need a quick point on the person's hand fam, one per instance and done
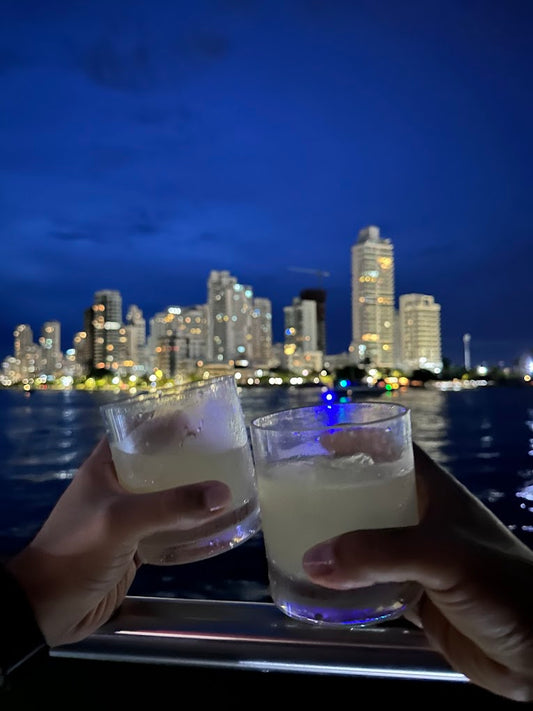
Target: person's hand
(80, 565)
(477, 605)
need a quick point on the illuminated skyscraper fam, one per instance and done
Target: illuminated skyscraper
(319, 297)
(22, 340)
(193, 326)
(373, 299)
(180, 331)
(230, 307)
(262, 331)
(420, 333)
(219, 292)
(109, 337)
(300, 326)
(26, 352)
(136, 334)
(50, 343)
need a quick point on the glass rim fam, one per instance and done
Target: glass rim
(278, 418)
(160, 394)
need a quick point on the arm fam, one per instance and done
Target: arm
(77, 570)
(476, 608)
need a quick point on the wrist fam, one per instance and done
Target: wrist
(22, 642)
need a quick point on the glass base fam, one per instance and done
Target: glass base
(179, 547)
(362, 607)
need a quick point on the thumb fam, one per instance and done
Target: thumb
(181, 508)
(362, 558)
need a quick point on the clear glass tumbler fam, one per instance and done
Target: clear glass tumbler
(326, 470)
(183, 435)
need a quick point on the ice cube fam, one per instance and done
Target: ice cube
(158, 433)
(360, 460)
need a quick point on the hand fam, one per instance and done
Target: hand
(80, 565)
(477, 605)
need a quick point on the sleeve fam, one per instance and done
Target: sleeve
(22, 643)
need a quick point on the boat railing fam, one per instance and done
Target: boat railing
(255, 636)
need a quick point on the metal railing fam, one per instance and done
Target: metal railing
(255, 636)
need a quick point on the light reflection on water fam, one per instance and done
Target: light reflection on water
(483, 437)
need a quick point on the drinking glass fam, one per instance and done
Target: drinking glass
(322, 471)
(183, 435)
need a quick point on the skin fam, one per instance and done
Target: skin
(477, 577)
(80, 565)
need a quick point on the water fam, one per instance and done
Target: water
(483, 436)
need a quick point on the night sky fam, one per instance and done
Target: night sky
(144, 143)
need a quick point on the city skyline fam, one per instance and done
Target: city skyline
(278, 322)
(144, 145)
(118, 314)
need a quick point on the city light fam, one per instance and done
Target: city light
(233, 331)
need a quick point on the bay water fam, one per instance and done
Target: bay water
(484, 436)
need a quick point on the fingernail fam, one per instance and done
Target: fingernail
(215, 496)
(319, 560)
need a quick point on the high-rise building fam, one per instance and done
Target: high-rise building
(170, 352)
(373, 299)
(420, 333)
(262, 331)
(300, 352)
(166, 347)
(50, 342)
(136, 335)
(193, 326)
(80, 355)
(319, 297)
(300, 326)
(178, 338)
(219, 292)
(230, 307)
(22, 340)
(26, 353)
(109, 338)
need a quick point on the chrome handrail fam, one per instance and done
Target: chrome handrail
(255, 636)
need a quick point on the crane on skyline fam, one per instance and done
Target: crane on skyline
(321, 274)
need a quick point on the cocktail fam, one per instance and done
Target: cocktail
(183, 435)
(322, 471)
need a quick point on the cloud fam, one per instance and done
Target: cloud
(137, 60)
(210, 45)
(126, 68)
(145, 224)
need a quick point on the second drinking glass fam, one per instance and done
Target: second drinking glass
(322, 471)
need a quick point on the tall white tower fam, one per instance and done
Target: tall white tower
(230, 307)
(262, 331)
(420, 335)
(373, 298)
(466, 347)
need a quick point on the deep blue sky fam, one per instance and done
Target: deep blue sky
(144, 143)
